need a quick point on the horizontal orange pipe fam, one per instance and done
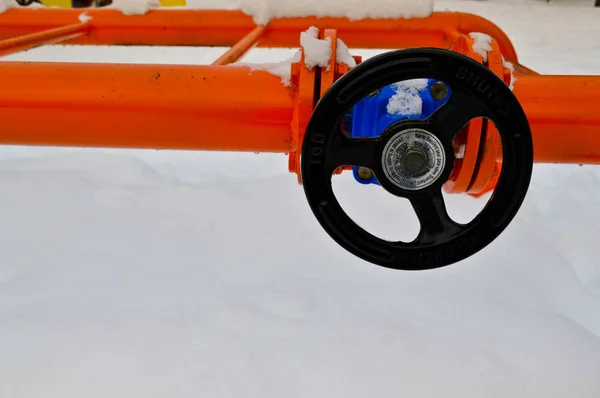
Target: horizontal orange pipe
(144, 106)
(50, 36)
(226, 27)
(241, 47)
(564, 114)
(233, 109)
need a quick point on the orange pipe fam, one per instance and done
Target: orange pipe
(233, 109)
(50, 36)
(226, 27)
(241, 47)
(144, 106)
(564, 114)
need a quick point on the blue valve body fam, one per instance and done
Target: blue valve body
(370, 116)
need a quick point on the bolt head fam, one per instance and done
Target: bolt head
(365, 174)
(414, 161)
(438, 91)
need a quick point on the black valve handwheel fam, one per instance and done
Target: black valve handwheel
(475, 91)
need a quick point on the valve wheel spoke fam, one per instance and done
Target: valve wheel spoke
(436, 224)
(354, 152)
(455, 115)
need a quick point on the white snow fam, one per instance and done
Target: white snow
(482, 44)
(264, 10)
(511, 68)
(407, 100)
(343, 55)
(282, 69)
(134, 7)
(189, 274)
(6, 5)
(84, 17)
(317, 52)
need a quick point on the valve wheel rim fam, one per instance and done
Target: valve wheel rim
(475, 92)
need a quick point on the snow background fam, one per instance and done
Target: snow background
(188, 274)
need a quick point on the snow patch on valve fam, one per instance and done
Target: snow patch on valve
(407, 100)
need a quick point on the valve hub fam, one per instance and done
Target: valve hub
(413, 159)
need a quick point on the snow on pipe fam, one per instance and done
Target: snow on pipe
(263, 11)
(317, 53)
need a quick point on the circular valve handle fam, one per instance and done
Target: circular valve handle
(417, 172)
